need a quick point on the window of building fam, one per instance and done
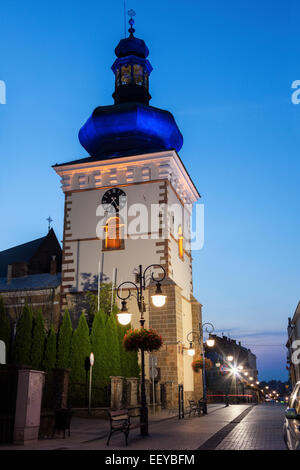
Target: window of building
(113, 239)
(126, 74)
(180, 242)
(138, 74)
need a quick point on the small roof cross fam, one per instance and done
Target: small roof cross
(49, 222)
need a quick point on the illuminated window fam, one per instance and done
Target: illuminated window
(180, 242)
(126, 74)
(138, 74)
(113, 239)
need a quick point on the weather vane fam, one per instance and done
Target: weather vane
(49, 222)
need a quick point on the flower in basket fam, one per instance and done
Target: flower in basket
(142, 338)
(197, 365)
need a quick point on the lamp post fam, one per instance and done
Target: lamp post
(208, 328)
(124, 317)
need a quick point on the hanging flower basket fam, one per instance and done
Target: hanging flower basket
(142, 338)
(197, 365)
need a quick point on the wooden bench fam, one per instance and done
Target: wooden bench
(120, 422)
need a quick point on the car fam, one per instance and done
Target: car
(291, 426)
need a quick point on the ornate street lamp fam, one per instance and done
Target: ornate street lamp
(158, 300)
(207, 328)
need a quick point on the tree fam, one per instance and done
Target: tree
(113, 345)
(100, 350)
(23, 340)
(38, 341)
(50, 351)
(5, 330)
(80, 349)
(128, 359)
(105, 300)
(64, 342)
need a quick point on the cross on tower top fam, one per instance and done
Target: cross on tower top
(49, 222)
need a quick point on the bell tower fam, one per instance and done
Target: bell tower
(128, 203)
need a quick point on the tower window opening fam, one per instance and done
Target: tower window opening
(126, 74)
(138, 74)
(113, 236)
(180, 242)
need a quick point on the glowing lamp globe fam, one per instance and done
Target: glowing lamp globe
(230, 358)
(191, 350)
(158, 298)
(210, 342)
(124, 318)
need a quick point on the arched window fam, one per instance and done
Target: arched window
(138, 74)
(180, 242)
(126, 74)
(113, 235)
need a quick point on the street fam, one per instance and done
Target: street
(237, 427)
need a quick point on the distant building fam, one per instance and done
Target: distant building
(31, 273)
(293, 331)
(236, 377)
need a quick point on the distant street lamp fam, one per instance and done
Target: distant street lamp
(230, 358)
(124, 317)
(207, 328)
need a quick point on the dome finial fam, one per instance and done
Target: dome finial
(131, 30)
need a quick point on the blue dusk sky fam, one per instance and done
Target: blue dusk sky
(224, 69)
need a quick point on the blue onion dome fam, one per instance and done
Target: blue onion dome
(130, 125)
(131, 128)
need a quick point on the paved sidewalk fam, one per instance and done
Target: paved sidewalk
(167, 433)
(261, 429)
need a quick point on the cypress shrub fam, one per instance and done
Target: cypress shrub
(23, 340)
(38, 341)
(129, 359)
(48, 365)
(113, 345)
(5, 330)
(64, 342)
(50, 351)
(101, 368)
(80, 349)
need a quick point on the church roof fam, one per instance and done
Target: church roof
(18, 253)
(31, 282)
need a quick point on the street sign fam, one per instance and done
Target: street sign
(153, 372)
(153, 361)
(92, 359)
